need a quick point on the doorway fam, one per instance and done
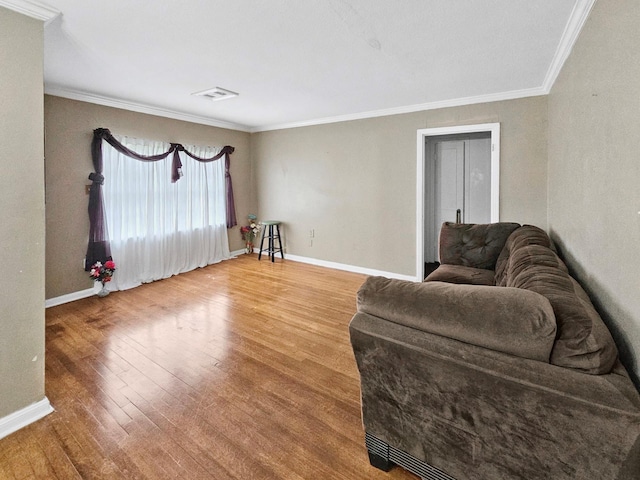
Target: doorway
(457, 184)
(458, 180)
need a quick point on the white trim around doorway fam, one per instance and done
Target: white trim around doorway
(494, 129)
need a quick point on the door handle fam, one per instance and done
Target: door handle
(458, 216)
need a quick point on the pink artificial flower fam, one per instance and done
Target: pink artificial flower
(110, 264)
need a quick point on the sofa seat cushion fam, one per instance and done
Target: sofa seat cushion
(583, 342)
(508, 320)
(461, 275)
(473, 245)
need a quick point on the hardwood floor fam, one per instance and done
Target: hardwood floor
(240, 370)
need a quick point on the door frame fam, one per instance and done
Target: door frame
(422, 134)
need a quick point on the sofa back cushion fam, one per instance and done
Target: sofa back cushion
(583, 342)
(520, 237)
(473, 245)
(508, 320)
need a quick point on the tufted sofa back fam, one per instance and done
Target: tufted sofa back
(529, 261)
(524, 257)
(473, 245)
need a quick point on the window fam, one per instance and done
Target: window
(158, 228)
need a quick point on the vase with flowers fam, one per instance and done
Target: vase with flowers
(102, 272)
(250, 232)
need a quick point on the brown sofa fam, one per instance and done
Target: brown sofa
(496, 367)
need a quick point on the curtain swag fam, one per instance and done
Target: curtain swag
(98, 249)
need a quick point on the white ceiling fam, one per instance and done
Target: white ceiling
(299, 62)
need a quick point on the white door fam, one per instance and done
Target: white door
(450, 180)
(458, 184)
(477, 202)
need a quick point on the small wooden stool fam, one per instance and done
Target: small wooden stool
(273, 235)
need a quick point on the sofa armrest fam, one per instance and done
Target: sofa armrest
(508, 320)
(614, 391)
(479, 413)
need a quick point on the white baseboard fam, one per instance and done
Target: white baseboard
(350, 268)
(70, 297)
(25, 416)
(89, 292)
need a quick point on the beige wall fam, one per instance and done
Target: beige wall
(594, 166)
(69, 126)
(22, 213)
(354, 182)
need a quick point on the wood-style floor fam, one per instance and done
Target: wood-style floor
(240, 370)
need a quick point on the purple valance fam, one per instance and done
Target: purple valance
(99, 249)
(104, 134)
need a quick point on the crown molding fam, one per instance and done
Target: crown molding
(572, 30)
(456, 102)
(31, 9)
(141, 108)
(576, 21)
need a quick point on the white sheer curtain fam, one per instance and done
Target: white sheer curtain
(157, 228)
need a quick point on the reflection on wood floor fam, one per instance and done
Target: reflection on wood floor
(240, 370)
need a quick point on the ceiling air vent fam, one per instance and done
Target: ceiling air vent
(215, 94)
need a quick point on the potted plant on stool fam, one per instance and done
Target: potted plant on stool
(250, 232)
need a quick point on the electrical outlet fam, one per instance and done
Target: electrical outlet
(312, 233)
(311, 242)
